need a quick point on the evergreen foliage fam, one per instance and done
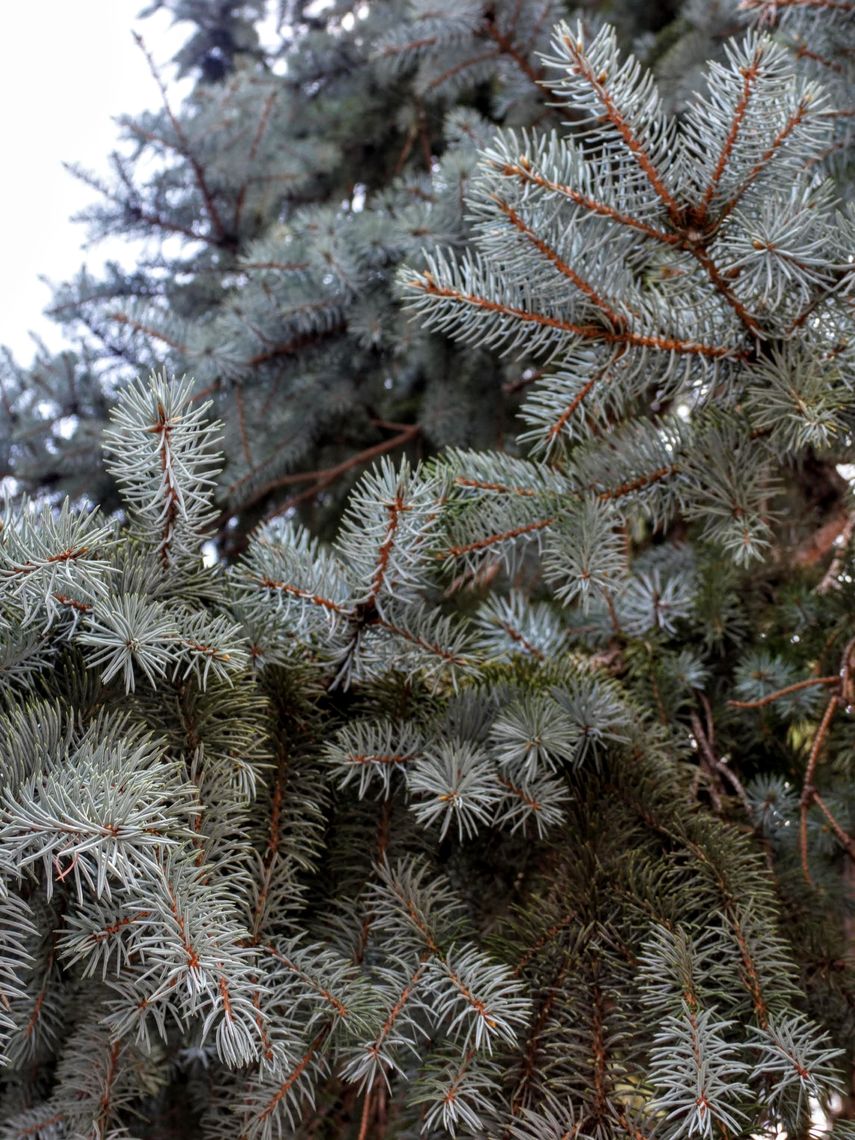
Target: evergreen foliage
(368, 772)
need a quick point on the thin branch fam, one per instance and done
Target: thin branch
(363, 1127)
(522, 170)
(780, 138)
(147, 330)
(794, 688)
(808, 790)
(198, 173)
(830, 580)
(584, 287)
(639, 483)
(749, 74)
(506, 47)
(426, 283)
(263, 120)
(494, 539)
(325, 477)
(294, 1075)
(499, 488)
(615, 117)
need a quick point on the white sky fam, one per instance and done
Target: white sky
(67, 67)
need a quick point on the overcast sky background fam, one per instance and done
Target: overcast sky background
(67, 68)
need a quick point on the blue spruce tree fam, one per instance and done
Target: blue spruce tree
(426, 591)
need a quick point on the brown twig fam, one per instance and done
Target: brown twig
(322, 478)
(771, 697)
(808, 796)
(198, 173)
(366, 1110)
(841, 543)
(707, 744)
(426, 283)
(709, 761)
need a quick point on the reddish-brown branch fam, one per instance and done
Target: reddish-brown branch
(451, 1094)
(418, 920)
(551, 255)
(306, 595)
(69, 555)
(427, 284)
(163, 428)
(520, 639)
(808, 790)
(499, 488)
(384, 553)
(413, 45)
(366, 1108)
(794, 688)
(599, 1058)
(801, 51)
(461, 65)
(193, 961)
(147, 330)
(431, 646)
(260, 1023)
(712, 271)
(120, 924)
(198, 173)
(506, 47)
(399, 1006)
(292, 1078)
(845, 840)
(304, 340)
(543, 940)
(523, 171)
(321, 479)
(749, 74)
(40, 1125)
(763, 161)
(751, 975)
(558, 425)
(33, 1019)
(709, 760)
(103, 1118)
(535, 1036)
(520, 793)
(614, 116)
(843, 695)
(274, 838)
(337, 1005)
(494, 539)
(161, 223)
(73, 603)
(639, 483)
(363, 758)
